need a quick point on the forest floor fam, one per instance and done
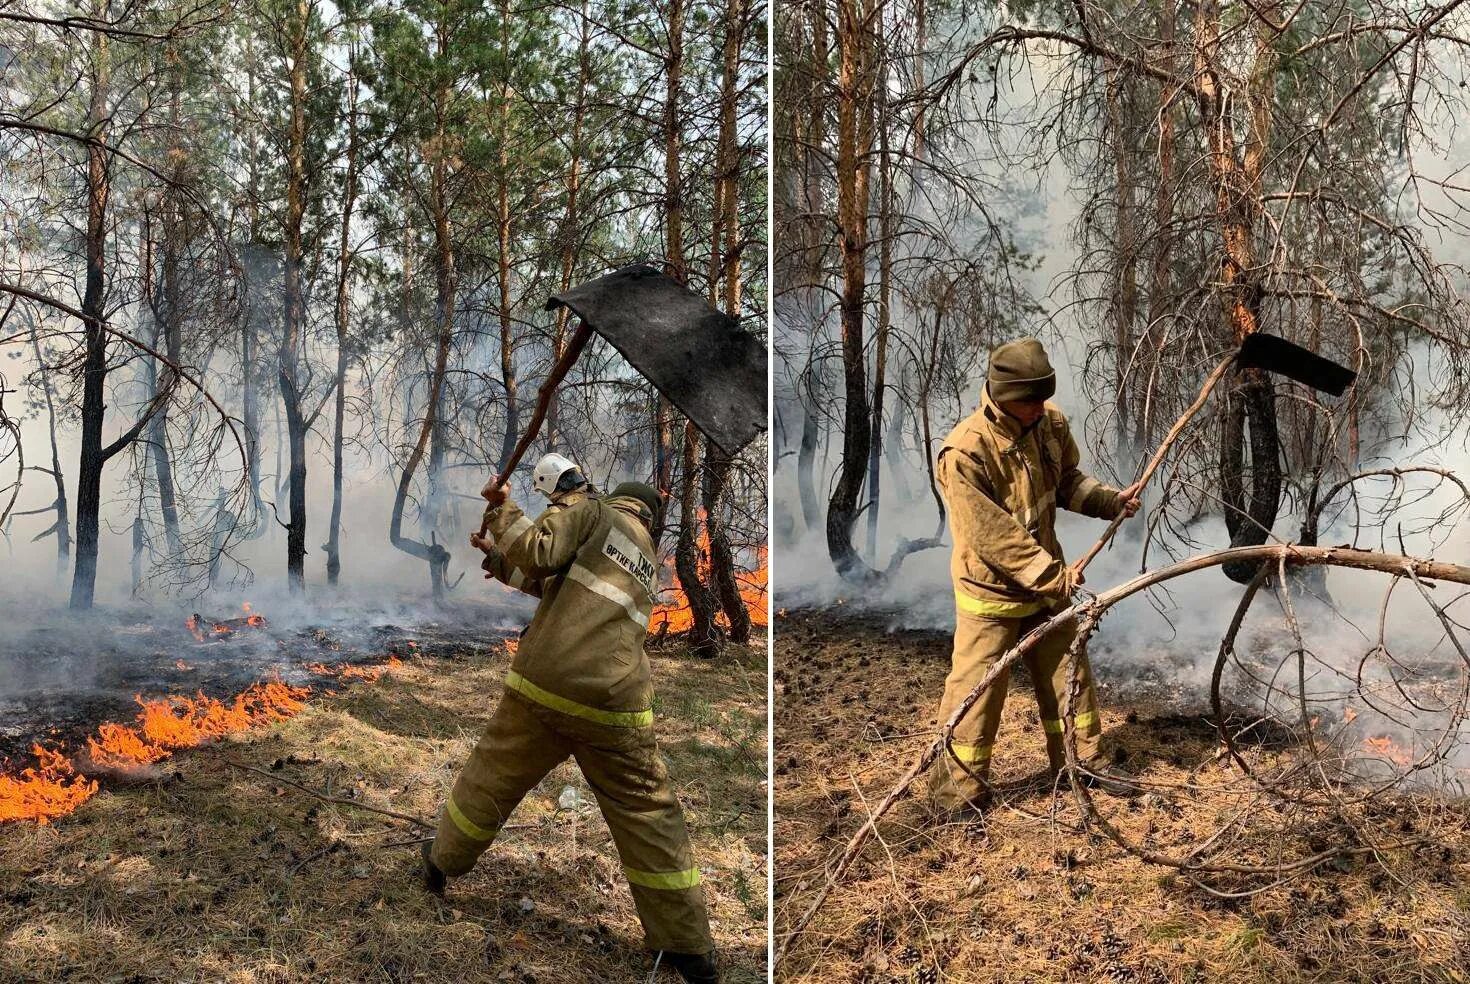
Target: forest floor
(200, 870)
(1025, 894)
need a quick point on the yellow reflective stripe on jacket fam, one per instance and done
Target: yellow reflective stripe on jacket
(995, 609)
(1054, 726)
(1085, 487)
(600, 586)
(970, 754)
(616, 719)
(517, 530)
(467, 826)
(670, 880)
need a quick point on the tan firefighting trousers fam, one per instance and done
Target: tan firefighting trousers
(525, 741)
(978, 643)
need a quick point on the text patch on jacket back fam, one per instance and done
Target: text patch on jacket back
(621, 550)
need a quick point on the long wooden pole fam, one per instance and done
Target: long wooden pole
(543, 401)
(1158, 458)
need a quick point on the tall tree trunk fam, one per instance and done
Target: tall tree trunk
(444, 309)
(503, 235)
(94, 366)
(249, 339)
(62, 526)
(295, 303)
(806, 459)
(1159, 293)
(1238, 206)
(571, 221)
(885, 288)
(854, 141)
(344, 273)
(1125, 251)
(170, 320)
(704, 639)
(816, 238)
(665, 421)
(717, 465)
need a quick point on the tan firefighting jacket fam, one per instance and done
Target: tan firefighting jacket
(1003, 485)
(583, 653)
(496, 566)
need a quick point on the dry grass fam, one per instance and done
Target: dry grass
(1027, 895)
(205, 872)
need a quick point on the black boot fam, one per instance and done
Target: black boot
(696, 968)
(434, 879)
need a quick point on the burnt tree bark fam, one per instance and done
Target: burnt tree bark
(854, 143)
(1238, 198)
(288, 355)
(343, 315)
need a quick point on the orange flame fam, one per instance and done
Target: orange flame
(676, 616)
(346, 671)
(1386, 747)
(53, 787)
(512, 646)
(219, 630)
(49, 789)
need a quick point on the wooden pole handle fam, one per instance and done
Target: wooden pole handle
(543, 403)
(1158, 458)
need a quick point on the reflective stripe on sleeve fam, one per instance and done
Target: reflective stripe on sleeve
(1082, 492)
(616, 719)
(995, 609)
(587, 579)
(517, 578)
(517, 529)
(468, 827)
(669, 880)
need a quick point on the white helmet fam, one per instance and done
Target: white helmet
(549, 471)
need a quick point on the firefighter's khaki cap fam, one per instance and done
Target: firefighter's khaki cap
(643, 493)
(1020, 370)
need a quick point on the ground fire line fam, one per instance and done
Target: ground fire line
(58, 783)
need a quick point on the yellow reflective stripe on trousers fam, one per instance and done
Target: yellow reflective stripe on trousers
(970, 754)
(616, 719)
(669, 880)
(467, 826)
(995, 609)
(1053, 726)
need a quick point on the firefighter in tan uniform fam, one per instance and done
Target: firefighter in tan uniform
(580, 686)
(1004, 472)
(559, 479)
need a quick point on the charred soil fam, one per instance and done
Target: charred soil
(1026, 894)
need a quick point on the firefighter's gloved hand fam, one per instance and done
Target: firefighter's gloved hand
(1066, 585)
(494, 494)
(482, 543)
